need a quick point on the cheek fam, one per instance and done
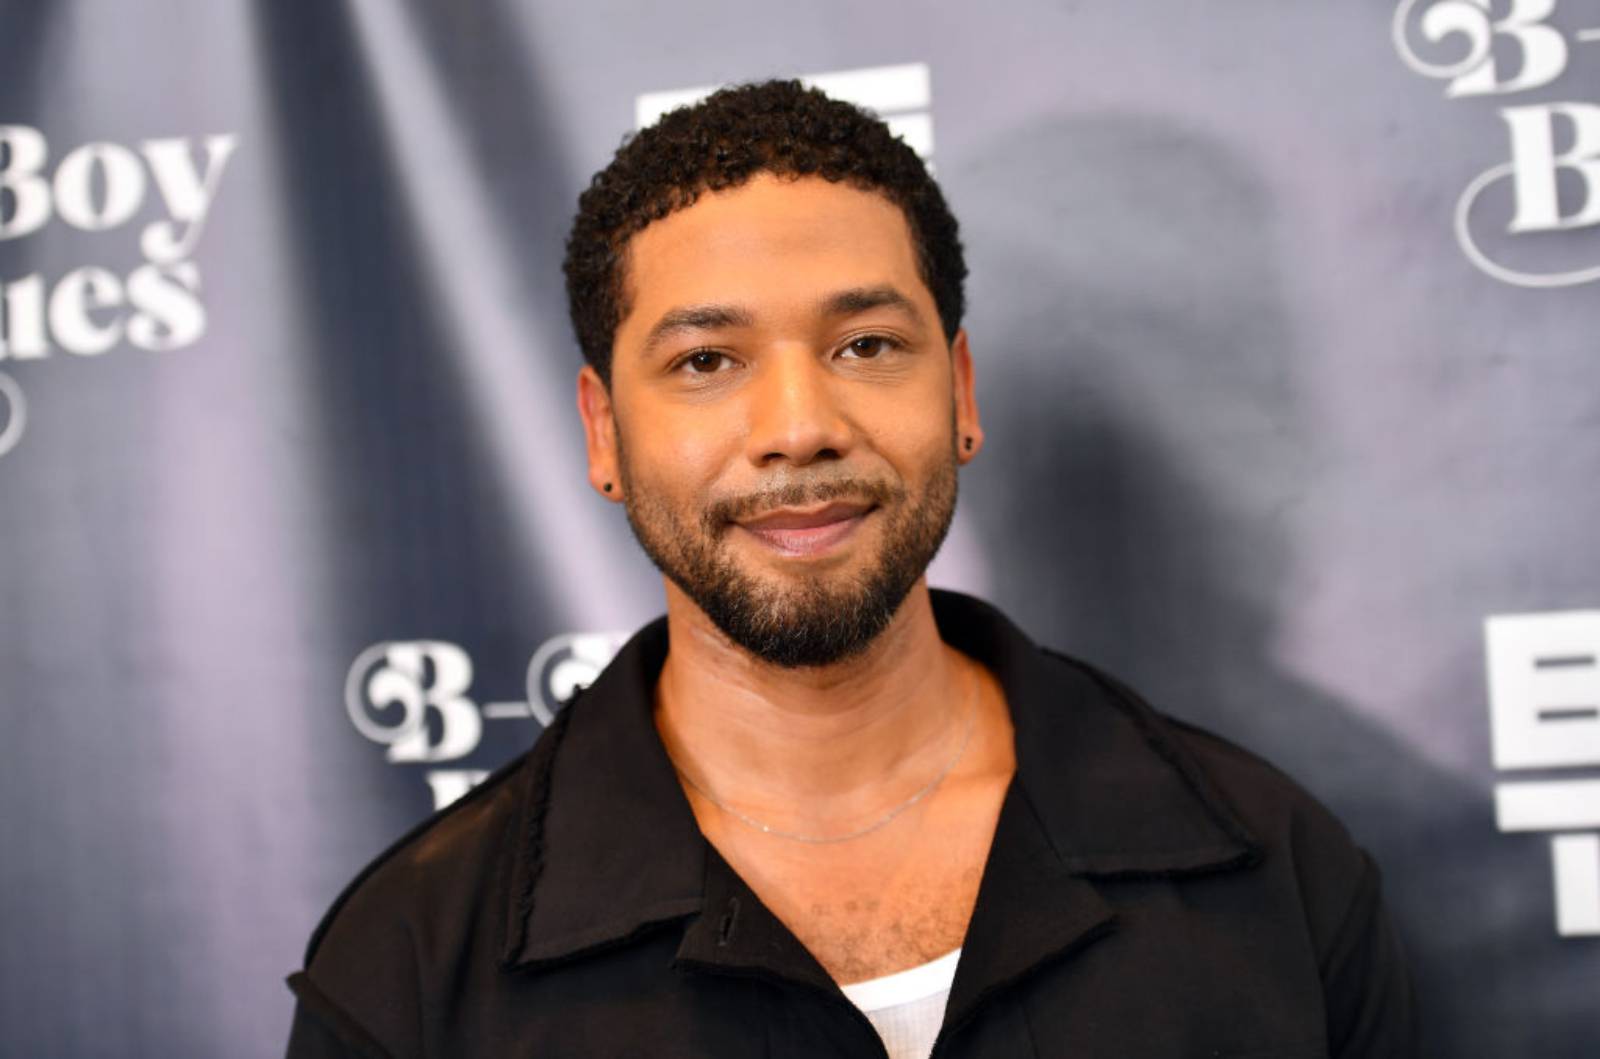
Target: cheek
(698, 450)
(680, 458)
(918, 441)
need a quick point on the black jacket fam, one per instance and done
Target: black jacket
(1151, 891)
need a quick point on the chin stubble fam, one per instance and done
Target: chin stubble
(813, 621)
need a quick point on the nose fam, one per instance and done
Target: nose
(796, 415)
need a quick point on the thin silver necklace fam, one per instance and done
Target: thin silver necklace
(882, 822)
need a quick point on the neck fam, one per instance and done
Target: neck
(815, 748)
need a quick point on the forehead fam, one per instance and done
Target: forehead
(771, 242)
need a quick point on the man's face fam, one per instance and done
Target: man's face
(784, 417)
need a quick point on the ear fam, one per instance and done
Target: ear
(969, 432)
(600, 433)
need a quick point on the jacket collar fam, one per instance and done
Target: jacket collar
(1113, 786)
(606, 847)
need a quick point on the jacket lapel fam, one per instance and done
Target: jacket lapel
(1104, 790)
(1031, 909)
(607, 846)
(1113, 787)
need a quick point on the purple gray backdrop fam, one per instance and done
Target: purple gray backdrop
(1286, 320)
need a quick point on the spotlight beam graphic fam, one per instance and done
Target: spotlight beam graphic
(513, 391)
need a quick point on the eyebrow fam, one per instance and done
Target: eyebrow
(690, 318)
(861, 299)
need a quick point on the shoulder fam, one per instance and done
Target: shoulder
(1271, 801)
(1303, 844)
(1297, 839)
(448, 855)
(429, 906)
(1337, 880)
(1260, 790)
(1368, 996)
(1306, 882)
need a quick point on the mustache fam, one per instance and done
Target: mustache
(732, 509)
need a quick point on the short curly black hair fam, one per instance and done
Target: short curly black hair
(777, 127)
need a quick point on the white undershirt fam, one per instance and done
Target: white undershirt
(907, 1007)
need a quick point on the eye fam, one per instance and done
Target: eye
(704, 362)
(868, 346)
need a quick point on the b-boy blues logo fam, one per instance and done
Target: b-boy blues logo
(415, 698)
(103, 187)
(1549, 184)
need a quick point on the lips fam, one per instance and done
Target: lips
(807, 531)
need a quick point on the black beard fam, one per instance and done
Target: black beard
(811, 622)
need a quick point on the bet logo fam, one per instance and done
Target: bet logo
(1544, 714)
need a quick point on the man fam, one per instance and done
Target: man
(819, 810)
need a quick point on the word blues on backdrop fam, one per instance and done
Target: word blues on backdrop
(101, 187)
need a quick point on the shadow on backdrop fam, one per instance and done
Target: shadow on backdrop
(30, 51)
(1137, 371)
(409, 494)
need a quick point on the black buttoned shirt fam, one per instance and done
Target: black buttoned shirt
(1151, 890)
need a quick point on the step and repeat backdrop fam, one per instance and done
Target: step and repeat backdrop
(1287, 324)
